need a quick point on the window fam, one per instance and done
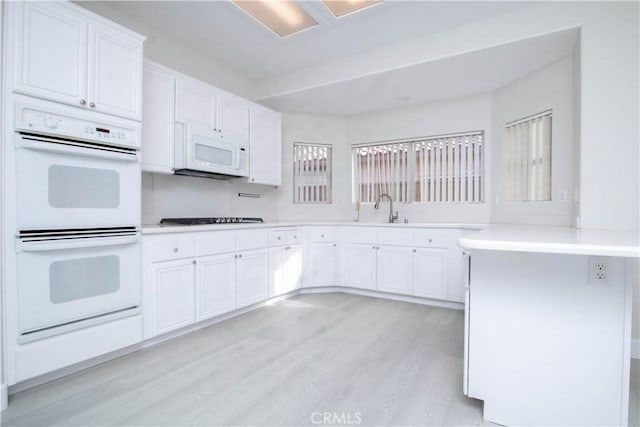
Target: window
(445, 168)
(311, 173)
(527, 154)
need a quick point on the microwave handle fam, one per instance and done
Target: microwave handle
(237, 162)
(55, 245)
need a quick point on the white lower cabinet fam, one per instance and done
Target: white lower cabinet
(394, 272)
(321, 264)
(173, 295)
(360, 265)
(429, 273)
(285, 269)
(194, 277)
(253, 276)
(216, 285)
(405, 261)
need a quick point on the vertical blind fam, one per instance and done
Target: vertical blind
(528, 158)
(311, 173)
(380, 169)
(446, 168)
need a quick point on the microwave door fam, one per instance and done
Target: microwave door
(210, 153)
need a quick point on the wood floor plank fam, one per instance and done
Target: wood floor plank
(389, 362)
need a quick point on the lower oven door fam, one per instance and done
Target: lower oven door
(67, 282)
(60, 186)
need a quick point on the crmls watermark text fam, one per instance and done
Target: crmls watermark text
(341, 418)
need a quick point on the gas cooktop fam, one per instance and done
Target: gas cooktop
(213, 220)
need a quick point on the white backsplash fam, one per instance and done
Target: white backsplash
(166, 196)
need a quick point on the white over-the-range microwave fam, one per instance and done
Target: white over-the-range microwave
(205, 152)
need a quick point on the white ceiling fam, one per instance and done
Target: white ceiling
(471, 73)
(223, 32)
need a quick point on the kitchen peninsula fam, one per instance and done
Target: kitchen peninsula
(549, 324)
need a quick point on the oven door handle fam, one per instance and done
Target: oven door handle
(77, 243)
(42, 143)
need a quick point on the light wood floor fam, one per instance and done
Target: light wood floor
(384, 362)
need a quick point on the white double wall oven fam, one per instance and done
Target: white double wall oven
(78, 219)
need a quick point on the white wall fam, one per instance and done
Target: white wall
(3, 391)
(177, 55)
(442, 117)
(577, 125)
(317, 129)
(548, 89)
(609, 104)
(167, 196)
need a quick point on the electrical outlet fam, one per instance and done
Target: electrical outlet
(597, 270)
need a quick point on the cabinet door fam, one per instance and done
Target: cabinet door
(429, 273)
(173, 284)
(394, 269)
(216, 285)
(285, 269)
(360, 266)
(253, 276)
(233, 116)
(293, 267)
(50, 51)
(158, 93)
(195, 103)
(115, 72)
(277, 275)
(265, 150)
(321, 265)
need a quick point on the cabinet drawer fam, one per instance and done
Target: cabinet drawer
(216, 242)
(396, 237)
(252, 239)
(431, 238)
(319, 234)
(360, 235)
(172, 248)
(288, 236)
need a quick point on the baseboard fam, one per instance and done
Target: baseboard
(384, 295)
(635, 348)
(4, 396)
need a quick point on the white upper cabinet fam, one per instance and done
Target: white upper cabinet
(233, 116)
(115, 72)
(265, 153)
(195, 103)
(202, 104)
(50, 51)
(157, 119)
(171, 97)
(66, 54)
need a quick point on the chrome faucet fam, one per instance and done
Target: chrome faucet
(392, 217)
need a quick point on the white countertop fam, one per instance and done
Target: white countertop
(519, 238)
(161, 229)
(559, 240)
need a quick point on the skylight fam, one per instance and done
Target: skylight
(283, 17)
(341, 8)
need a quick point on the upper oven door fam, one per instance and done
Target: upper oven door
(65, 185)
(209, 151)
